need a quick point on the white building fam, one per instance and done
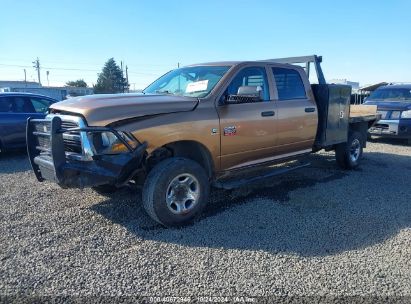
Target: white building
(355, 85)
(18, 84)
(59, 93)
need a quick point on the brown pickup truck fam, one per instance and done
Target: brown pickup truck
(195, 127)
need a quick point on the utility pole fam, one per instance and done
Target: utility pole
(47, 73)
(178, 64)
(122, 74)
(128, 85)
(36, 66)
(25, 79)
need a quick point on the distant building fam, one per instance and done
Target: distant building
(59, 93)
(18, 84)
(355, 85)
(135, 91)
(359, 95)
(372, 87)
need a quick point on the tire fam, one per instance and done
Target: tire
(348, 155)
(175, 192)
(105, 189)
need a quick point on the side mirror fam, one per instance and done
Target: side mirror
(246, 94)
(250, 91)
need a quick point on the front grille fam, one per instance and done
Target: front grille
(382, 126)
(383, 114)
(68, 125)
(389, 115)
(72, 143)
(42, 132)
(42, 127)
(72, 140)
(43, 143)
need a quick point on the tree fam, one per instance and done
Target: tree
(77, 83)
(111, 79)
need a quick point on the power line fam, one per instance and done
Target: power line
(155, 66)
(72, 69)
(15, 65)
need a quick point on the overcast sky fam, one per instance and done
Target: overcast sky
(365, 41)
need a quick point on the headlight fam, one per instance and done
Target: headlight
(406, 114)
(109, 143)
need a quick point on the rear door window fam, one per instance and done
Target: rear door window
(6, 104)
(289, 84)
(23, 105)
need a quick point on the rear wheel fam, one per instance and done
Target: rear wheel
(348, 155)
(175, 191)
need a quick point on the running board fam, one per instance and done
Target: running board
(236, 183)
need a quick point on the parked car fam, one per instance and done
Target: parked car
(198, 126)
(394, 104)
(15, 109)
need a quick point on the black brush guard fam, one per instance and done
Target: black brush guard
(50, 161)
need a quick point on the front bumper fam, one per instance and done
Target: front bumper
(52, 162)
(392, 128)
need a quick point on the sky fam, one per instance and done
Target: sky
(363, 41)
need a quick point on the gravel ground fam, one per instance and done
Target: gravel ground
(317, 231)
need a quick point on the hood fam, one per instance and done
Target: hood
(101, 110)
(390, 105)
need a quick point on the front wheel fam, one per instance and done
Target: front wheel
(348, 155)
(175, 191)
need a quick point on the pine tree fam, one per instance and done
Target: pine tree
(111, 79)
(77, 83)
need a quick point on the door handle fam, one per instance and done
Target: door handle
(309, 110)
(267, 113)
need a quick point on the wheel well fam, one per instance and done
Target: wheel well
(188, 149)
(362, 128)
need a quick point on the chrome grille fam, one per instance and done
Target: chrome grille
(76, 143)
(383, 114)
(43, 143)
(42, 127)
(72, 140)
(68, 125)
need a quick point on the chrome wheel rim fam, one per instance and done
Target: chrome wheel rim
(182, 193)
(355, 150)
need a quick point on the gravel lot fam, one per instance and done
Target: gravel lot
(316, 231)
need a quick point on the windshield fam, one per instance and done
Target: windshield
(197, 81)
(392, 94)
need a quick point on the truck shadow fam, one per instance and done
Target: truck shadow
(389, 141)
(317, 211)
(14, 161)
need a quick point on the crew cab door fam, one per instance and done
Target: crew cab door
(247, 128)
(296, 110)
